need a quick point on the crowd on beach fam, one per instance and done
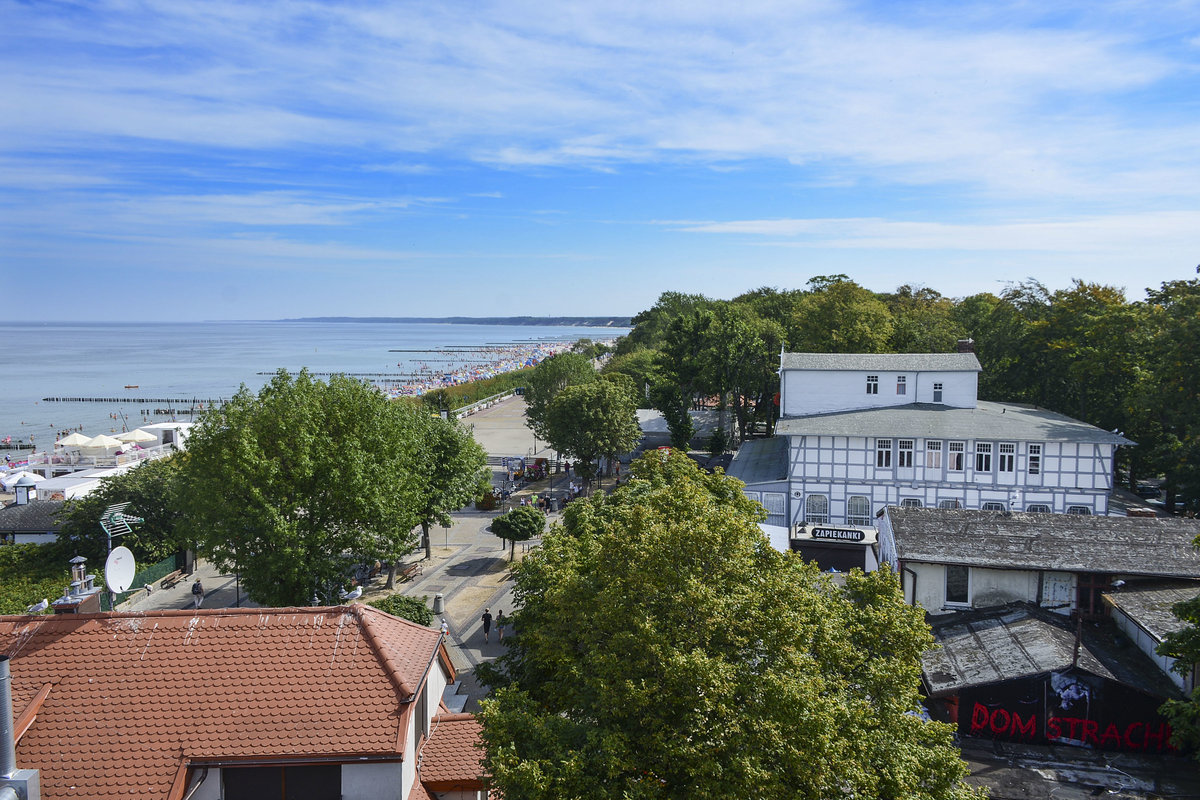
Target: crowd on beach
(498, 360)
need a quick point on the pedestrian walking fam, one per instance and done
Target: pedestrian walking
(198, 592)
(501, 621)
(487, 623)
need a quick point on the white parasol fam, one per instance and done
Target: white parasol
(73, 440)
(10, 480)
(137, 435)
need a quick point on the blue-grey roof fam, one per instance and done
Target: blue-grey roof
(883, 362)
(1148, 603)
(987, 421)
(1142, 546)
(761, 461)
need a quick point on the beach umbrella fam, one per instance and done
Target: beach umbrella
(101, 442)
(74, 440)
(137, 435)
(10, 480)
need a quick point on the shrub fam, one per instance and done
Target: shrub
(410, 608)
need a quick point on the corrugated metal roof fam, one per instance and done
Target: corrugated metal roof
(883, 362)
(1022, 641)
(760, 461)
(988, 421)
(1054, 542)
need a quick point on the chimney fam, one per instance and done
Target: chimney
(82, 596)
(965, 346)
(25, 784)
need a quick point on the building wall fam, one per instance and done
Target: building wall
(823, 391)
(1146, 643)
(839, 467)
(987, 587)
(375, 781)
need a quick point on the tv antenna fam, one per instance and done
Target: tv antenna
(119, 569)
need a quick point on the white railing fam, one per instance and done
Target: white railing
(74, 461)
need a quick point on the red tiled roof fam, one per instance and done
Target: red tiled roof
(134, 696)
(452, 756)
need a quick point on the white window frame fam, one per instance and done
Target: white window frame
(859, 503)
(946, 586)
(872, 384)
(1037, 508)
(911, 502)
(992, 505)
(883, 453)
(1006, 461)
(904, 453)
(983, 457)
(937, 393)
(1034, 467)
(956, 454)
(949, 504)
(1079, 511)
(819, 517)
(933, 454)
(901, 384)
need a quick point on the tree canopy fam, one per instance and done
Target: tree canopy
(454, 472)
(295, 484)
(151, 489)
(665, 650)
(519, 525)
(592, 420)
(549, 378)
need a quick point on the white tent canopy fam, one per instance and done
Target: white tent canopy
(103, 442)
(73, 440)
(137, 435)
(10, 480)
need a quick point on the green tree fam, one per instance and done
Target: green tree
(839, 316)
(30, 573)
(549, 378)
(295, 484)
(641, 366)
(592, 420)
(665, 650)
(1184, 646)
(151, 489)
(519, 525)
(454, 472)
(923, 321)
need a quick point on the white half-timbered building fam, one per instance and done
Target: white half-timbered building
(866, 431)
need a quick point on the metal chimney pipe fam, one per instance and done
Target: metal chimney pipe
(8, 739)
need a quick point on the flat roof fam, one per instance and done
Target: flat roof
(988, 420)
(980, 648)
(1148, 603)
(1053, 542)
(883, 362)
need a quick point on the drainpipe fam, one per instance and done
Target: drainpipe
(15, 784)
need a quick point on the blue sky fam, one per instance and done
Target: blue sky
(258, 160)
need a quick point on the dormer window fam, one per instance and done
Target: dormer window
(872, 384)
(901, 384)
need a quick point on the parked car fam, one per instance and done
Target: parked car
(1148, 491)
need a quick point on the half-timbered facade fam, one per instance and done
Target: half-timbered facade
(866, 431)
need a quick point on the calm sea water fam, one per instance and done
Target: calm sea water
(207, 360)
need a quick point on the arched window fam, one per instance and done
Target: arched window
(816, 509)
(858, 511)
(951, 504)
(1081, 511)
(910, 502)
(1038, 508)
(993, 506)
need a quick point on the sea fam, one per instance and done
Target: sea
(132, 366)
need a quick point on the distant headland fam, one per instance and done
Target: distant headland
(578, 322)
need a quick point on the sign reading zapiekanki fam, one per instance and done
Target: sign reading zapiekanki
(840, 534)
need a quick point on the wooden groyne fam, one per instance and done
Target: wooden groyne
(195, 401)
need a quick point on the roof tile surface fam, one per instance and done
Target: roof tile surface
(452, 755)
(134, 694)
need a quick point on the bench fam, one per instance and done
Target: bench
(171, 578)
(411, 571)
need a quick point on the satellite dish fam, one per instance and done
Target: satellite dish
(119, 569)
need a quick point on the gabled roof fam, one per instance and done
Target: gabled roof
(979, 648)
(760, 461)
(452, 758)
(1148, 603)
(134, 697)
(883, 362)
(38, 516)
(1054, 542)
(1014, 422)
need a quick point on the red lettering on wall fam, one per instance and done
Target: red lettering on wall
(979, 718)
(1052, 729)
(1111, 734)
(1028, 728)
(999, 722)
(1130, 740)
(1090, 729)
